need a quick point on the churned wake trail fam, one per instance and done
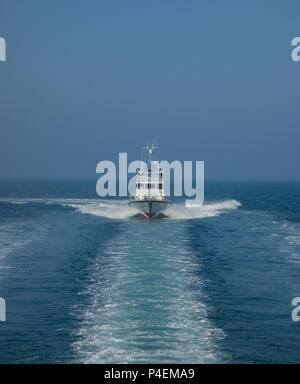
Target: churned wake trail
(147, 301)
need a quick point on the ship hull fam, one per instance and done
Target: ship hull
(150, 208)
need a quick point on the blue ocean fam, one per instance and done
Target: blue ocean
(85, 281)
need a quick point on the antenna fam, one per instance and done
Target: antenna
(150, 150)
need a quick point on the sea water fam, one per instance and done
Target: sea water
(86, 281)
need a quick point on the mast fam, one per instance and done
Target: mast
(150, 150)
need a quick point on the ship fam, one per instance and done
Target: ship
(149, 198)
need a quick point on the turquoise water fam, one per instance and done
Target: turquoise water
(85, 281)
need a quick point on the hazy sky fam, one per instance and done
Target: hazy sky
(211, 80)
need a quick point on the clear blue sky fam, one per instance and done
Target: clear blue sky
(211, 80)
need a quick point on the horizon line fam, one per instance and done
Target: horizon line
(60, 178)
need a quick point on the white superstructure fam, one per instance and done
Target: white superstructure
(150, 198)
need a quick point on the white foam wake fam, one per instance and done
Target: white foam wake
(119, 209)
(191, 211)
(110, 211)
